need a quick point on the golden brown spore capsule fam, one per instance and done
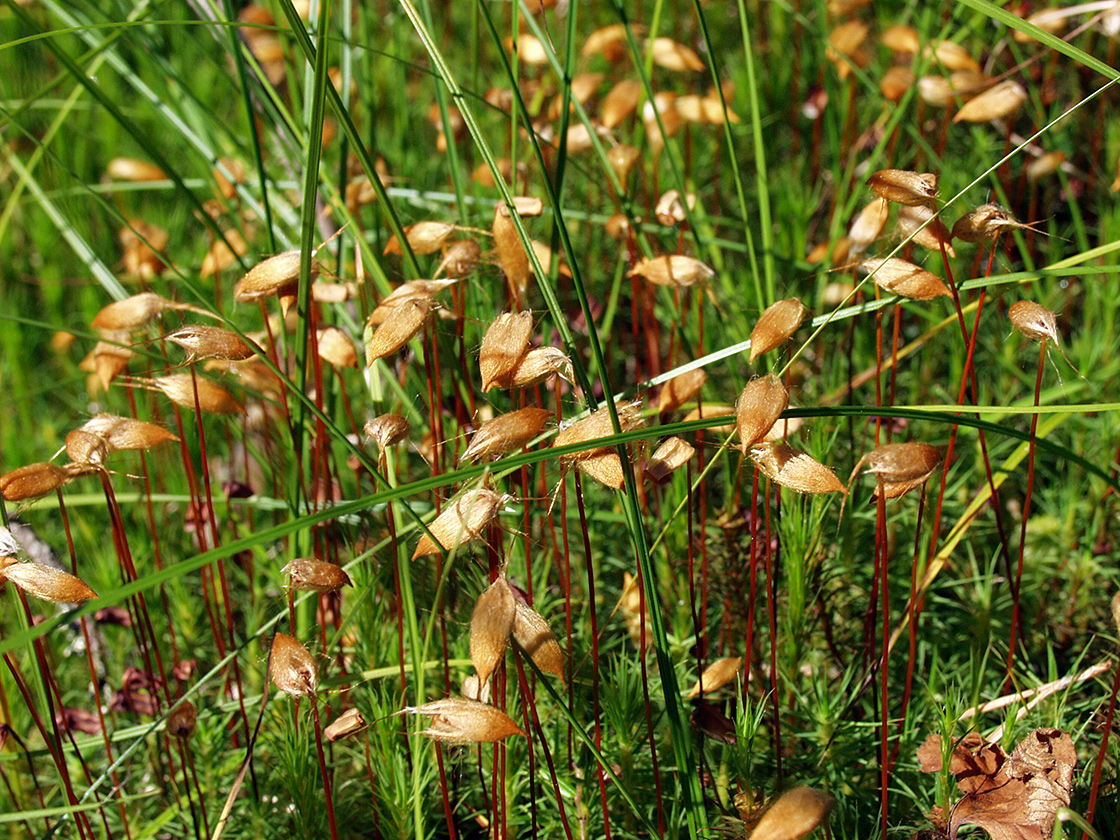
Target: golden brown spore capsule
(538, 365)
(491, 624)
(680, 389)
(952, 56)
(182, 720)
(32, 481)
(845, 44)
(545, 256)
(1034, 321)
(662, 105)
(669, 456)
(605, 467)
(47, 583)
(984, 223)
(795, 470)
(181, 389)
(131, 169)
(674, 270)
(336, 347)
(511, 252)
(387, 429)
(674, 56)
(348, 723)
(759, 406)
(993, 104)
(463, 520)
(717, 675)
(535, 637)
(223, 253)
(292, 668)
(1045, 165)
(709, 411)
(399, 328)
(126, 433)
(414, 290)
(622, 158)
(620, 102)
(276, 276)
(868, 225)
(899, 467)
(86, 448)
(505, 433)
(922, 227)
(130, 313)
(596, 425)
(422, 237)
(207, 342)
(795, 813)
(904, 279)
(505, 342)
(775, 325)
(461, 258)
(896, 82)
(609, 42)
(671, 208)
(456, 720)
(901, 39)
(306, 574)
(904, 187)
(143, 245)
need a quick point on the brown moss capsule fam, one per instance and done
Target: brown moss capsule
(414, 290)
(276, 276)
(775, 325)
(131, 169)
(32, 481)
(670, 455)
(544, 257)
(901, 39)
(505, 342)
(423, 238)
(183, 389)
(596, 425)
(896, 82)
(903, 186)
(336, 347)
(673, 56)
(868, 225)
(400, 327)
(674, 270)
(456, 720)
(181, 720)
(609, 42)
(605, 467)
(717, 675)
(535, 637)
(920, 225)
(86, 448)
(306, 574)
(622, 158)
(223, 253)
(903, 278)
(462, 521)
(130, 313)
(952, 56)
(1034, 321)
(511, 252)
(387, 429)
(292, 668)
(795, 470)
(620, 102)
(46, 583)
(143, 245)
(994, 103)
(505, 433)
(710, 411)
(795, 813)
(759, 406)
(1045, 165)
(126, 433)
(898, 467)
(680, 389)
(206, 342)
(345, 725)
(844, 46)
(461, 258)
(670, 208)
(539, 364)
(984, 223)
(491, 624)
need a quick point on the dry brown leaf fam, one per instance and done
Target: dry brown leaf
(491, 624)
(536, 638)
(505, 342)
(505, 433)
(717, 675)
(1012, 797)
(463, 520)
(795, 470)
(456, 720)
